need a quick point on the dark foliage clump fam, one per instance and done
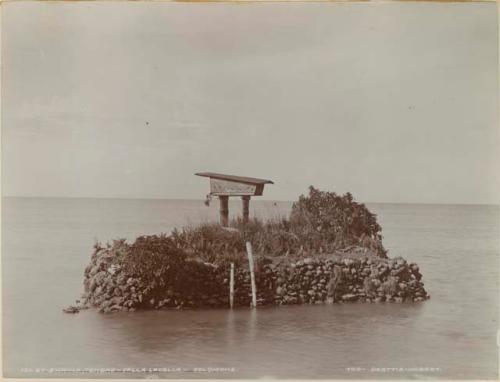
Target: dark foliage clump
(325, 221)
(154, 258)
(161, 265)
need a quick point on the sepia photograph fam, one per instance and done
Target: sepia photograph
(250, 190)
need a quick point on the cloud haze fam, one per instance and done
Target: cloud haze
(393, 102)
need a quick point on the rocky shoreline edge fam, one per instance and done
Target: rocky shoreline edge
(356, 275)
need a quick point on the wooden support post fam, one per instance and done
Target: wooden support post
(231, 287)
(246, 207)
(224, 210)
(252, 274)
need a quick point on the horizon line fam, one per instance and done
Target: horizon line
(263, 200)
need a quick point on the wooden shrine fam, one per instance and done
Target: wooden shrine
(224, 186)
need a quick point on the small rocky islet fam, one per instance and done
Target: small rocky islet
(355, 276)
(329, 250)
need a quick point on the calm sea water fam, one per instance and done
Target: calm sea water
(46, 244)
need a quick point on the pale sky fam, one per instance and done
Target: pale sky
(394, 102)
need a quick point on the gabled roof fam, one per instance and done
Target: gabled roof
(234, 178)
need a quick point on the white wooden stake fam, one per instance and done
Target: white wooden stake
(252, 275)
(231, 287)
